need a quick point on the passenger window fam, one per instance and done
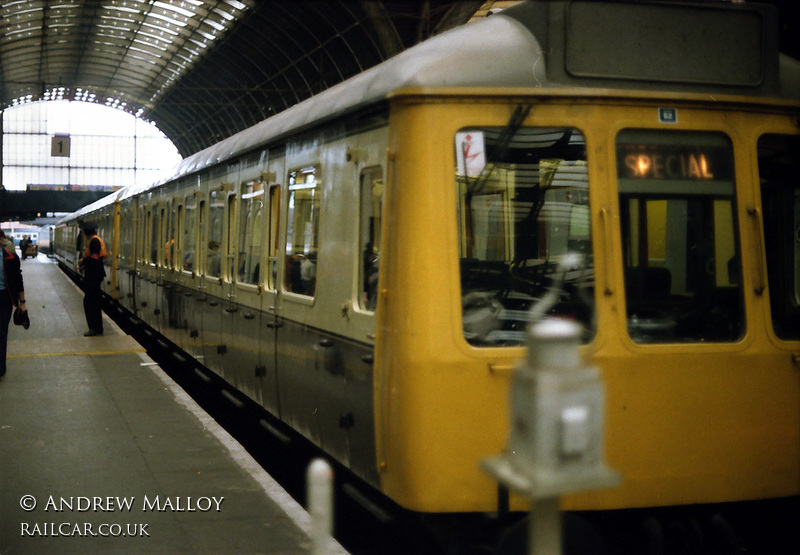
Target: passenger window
(189, 235)
(678, 217)
(523, 203)
(779, 170)
(250, 231)
(302, 232)
(370, 204)
(216, 214)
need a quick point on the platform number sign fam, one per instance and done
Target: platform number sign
(60, 146)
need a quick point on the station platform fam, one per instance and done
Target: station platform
(101, 452)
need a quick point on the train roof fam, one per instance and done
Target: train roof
(713, 48)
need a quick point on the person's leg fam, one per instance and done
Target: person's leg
(6, 308)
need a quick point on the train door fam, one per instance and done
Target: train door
(214, 259)
(144, 271)
(299, 340)
(779, 173)
(229, 301)
(268, 330)
(244, 351)
(695, 299)
(190, 275)
(171, 296)
(159, 246)
(357, 418)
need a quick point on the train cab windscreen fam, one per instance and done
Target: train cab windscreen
(523, 203)
(682, 267)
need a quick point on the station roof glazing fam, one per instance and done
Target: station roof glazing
(204, 70)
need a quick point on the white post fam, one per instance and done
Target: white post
(319, 487)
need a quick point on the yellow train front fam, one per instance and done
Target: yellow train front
(367, 275)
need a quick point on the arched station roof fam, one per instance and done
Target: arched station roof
(204, 70)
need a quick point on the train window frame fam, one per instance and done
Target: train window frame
(170, 232)
(300, 268)
(273, 239)
(214, 258)
(230, 237)
(143, 257)
(370, 217)
(518, 172)
(202, 235)
(154, 230)
(189, 239)
(126, 233)
(680, 236)
(252, 194)
(779, 189)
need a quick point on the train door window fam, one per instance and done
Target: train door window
(202, 234)
(190, 235)
(302, 231)
(125, 230)
(250, 231)
(144, 232)
(370, 205)
(155, 236)
(522, 204)
(169, 243)
(273, 232)
(679, 236)
(214, 244)
(779, 170)
(230, 238)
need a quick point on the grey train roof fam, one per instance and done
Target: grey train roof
(498, 51)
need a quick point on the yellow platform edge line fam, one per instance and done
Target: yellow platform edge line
(77, 353)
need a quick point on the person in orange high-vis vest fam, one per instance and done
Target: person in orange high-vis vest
(92, 265)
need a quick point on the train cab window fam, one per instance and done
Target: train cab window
(214, 244)
(302, 232)
(679, 236)
(779, 172)
(250, 231)
(523, 203)
(370, 205)
(189, 235)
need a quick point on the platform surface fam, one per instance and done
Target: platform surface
(100, 452)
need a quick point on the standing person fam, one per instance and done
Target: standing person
(93, 273)
(12, 293)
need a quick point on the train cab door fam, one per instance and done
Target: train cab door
(779, 180)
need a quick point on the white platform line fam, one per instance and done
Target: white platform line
(274, 491)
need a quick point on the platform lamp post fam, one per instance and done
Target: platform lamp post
(555, 445)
